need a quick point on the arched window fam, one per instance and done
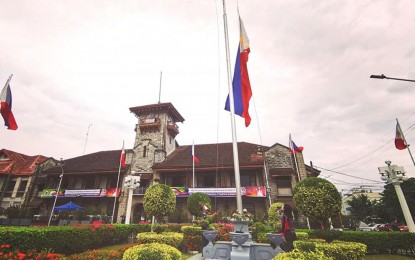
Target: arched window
(145, 151)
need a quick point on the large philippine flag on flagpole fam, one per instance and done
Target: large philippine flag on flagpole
(241, 86)
(399, 142)
(6, 107)
(122, 158)
(195, 159)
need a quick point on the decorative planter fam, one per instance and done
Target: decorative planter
(239, 238)
(241, 226)
(210, 235)
(275, 238)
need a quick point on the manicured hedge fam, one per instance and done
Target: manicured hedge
(323, 250)
(67, 239)
(152, 251)
(376, 242)
(169, 238)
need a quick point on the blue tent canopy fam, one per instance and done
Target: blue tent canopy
(69, 206)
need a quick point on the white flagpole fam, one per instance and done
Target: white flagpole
(295, 158)
(403, 137)
(193, 160)
(116, 188)
(232, 108)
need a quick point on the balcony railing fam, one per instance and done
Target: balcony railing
(149, 123)
(172, 128)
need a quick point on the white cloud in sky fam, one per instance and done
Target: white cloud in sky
(77, 63)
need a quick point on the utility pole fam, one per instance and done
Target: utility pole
(396, 175)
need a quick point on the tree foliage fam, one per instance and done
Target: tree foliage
(195, 201)
(159, 200)
(273, 212)
(360, 207)
(317, 198)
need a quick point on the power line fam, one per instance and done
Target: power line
(347, 174)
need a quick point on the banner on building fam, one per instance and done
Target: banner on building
(108, 192)
(249, 191)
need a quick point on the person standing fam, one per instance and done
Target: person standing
(287, 229)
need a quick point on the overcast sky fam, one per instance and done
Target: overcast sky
(77, 63)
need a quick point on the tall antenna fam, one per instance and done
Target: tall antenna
(86, 140)
(161, 76)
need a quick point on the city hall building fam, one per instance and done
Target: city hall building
(268, 174)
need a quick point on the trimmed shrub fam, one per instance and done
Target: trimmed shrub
(195, 201)
(192, 238)
(152, 251)
(169, 238)
(159, 200)
(317, 198)
(341, 250)
(273, 212)
(302, 255)
(66, 239)
(328, 235)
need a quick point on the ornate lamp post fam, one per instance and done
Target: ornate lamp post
(396, 175)
(130, 182)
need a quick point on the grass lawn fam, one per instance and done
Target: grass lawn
(116, 247)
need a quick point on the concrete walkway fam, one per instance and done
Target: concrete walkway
(196, 257)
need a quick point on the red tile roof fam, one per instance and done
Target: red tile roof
(213, 155)
(19, 164)
(104, 161)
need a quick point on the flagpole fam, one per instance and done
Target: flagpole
(232, 110)
(116, 188)
(407, 145)
(8, 80)
(193, 160)
(295, 159)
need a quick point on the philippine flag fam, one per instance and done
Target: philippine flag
(241, 86)
(195, 159)
(295, 148)
(399, 142)
(6, 107)
(122, 158)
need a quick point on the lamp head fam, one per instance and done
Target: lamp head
(388, 162)
(378, 76)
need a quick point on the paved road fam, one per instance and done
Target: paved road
(196, 257)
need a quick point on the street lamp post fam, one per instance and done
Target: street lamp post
(130, 182)
(396, 175)
(57, 193)
(384, 77)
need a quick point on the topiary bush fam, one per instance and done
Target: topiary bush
(317, 198)
(169, 238)
(195, 202)
(159, 201)
(152, 251)
(274, 215)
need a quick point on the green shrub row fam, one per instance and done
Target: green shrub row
(67, 239)
(152, 251)
(262, 237)
(338, 250)
(169, 238)
(376, 242)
